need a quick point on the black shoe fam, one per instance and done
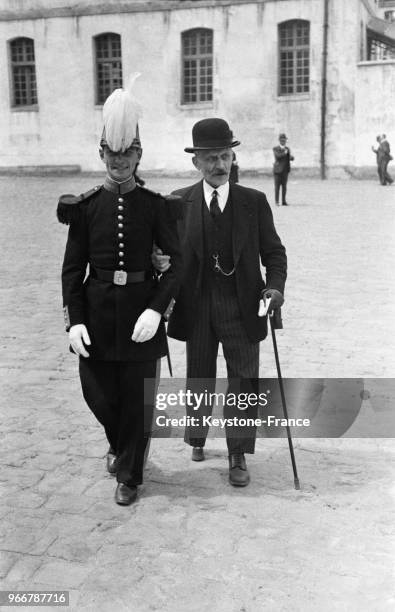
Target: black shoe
(124, 495)
(111, 461)
(285, 204)
(197, 453)
(238, 473)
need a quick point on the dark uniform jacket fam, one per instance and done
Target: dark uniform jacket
(282, 159)
(384, 151)
(109, 225)
(254, 240)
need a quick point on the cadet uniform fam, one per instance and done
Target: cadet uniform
(112, 231)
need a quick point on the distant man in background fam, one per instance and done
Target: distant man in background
(377, 151)
(281, 169)
(385, 160)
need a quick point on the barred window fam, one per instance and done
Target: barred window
(380, 49)
(108, 65)
(197, 66)
(385, 3)
(23, 72)
(294, 57)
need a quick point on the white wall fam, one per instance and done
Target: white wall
(67, 126)
(376, 90)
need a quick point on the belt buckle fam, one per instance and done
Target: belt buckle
(120, 277)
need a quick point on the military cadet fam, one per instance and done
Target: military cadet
(114, 315)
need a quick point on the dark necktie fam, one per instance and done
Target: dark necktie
(215, 210)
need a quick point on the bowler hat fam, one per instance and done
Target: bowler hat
(211, 133)
(282, 135)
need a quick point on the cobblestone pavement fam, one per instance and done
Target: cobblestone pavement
(193, 543)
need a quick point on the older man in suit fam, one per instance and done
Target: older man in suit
(281, 169)
(226, 232)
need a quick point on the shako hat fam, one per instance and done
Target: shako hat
(121, 113)
(212, 133)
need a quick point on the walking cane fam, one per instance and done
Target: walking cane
(166, 316)
(168, 359)
(276, 323)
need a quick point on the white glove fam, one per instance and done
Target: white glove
(78, 335)
(146, 325)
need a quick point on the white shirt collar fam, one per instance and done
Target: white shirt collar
(222, 191)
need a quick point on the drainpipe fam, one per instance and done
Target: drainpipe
(323, 89)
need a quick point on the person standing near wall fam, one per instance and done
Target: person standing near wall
(281, 169)
(386, 157)
(383, 158)
(378, 153)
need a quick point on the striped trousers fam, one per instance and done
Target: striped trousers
(219, 321)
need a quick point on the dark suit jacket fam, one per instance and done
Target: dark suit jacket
(254, 240)
(282, 160)
(384, 152)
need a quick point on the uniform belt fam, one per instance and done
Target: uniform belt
(120, 277)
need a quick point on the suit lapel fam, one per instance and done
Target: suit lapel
(241, 221)
(193, 222)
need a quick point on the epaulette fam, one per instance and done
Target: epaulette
(175, 206)
(173, 202)
(169, 198)
(154, 193)
(68, 209)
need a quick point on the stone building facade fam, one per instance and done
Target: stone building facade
(323, 71)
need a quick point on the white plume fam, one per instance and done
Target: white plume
(121, 113)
